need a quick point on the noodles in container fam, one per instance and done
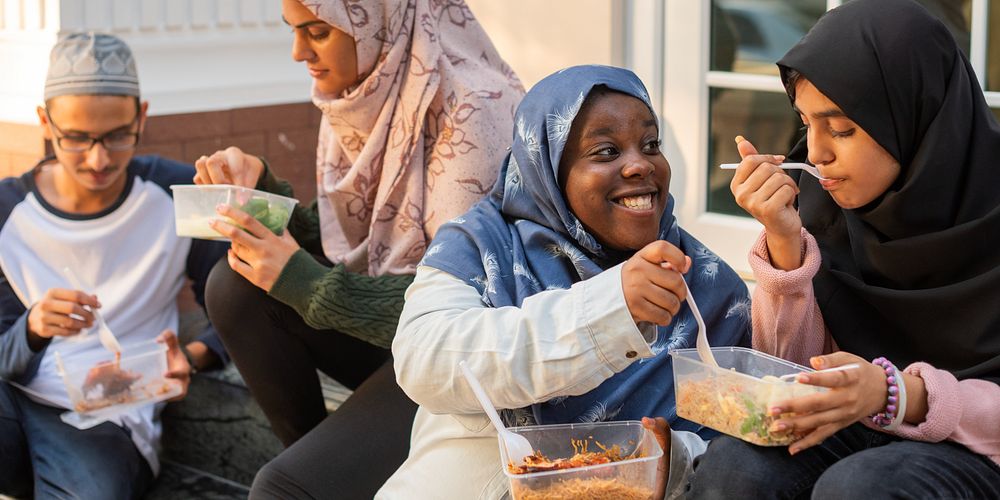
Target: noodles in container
(733, 398)
(602, 460)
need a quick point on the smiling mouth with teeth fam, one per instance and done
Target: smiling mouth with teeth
(641, 202)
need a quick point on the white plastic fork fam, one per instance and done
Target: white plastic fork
(704, 349)
(517, 445)
(787, 166)
(104, 333)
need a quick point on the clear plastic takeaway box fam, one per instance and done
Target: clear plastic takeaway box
(97, 387)
(733, 398)
(633, 478)
(194, 208)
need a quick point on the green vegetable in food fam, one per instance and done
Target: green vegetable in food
(756, 422)
(275, 221)
(273, 218)
(256, 207)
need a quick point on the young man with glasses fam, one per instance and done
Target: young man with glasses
(98, 212)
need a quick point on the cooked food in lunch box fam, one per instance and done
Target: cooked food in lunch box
(590, 489)
(731, 406)
(272, 217)
(537, 462)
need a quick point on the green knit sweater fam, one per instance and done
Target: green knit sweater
(366, 307)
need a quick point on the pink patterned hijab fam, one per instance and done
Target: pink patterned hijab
(419, 140)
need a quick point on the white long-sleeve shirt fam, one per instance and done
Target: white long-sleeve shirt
(558, 343)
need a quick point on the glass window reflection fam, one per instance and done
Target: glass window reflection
(765, 118)
(749, 36)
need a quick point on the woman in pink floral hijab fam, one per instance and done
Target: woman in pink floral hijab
(417, 111)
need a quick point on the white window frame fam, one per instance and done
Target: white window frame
(667, 44)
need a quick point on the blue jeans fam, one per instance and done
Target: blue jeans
(42, 456)
(856, 462)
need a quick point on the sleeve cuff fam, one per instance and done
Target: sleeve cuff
(267, 179)
(779, 282)
(615, 335)
(297, 280)
(16, 357)
(212, 341)
(944, 406)
(684, 448)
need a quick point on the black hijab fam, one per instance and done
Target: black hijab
(914, 275)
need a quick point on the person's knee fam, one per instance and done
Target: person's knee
(860, 477)
(275, 481)
(107, 479)
(227, 295)
(727, 470)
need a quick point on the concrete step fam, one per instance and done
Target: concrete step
(216, 439)
(177, 481)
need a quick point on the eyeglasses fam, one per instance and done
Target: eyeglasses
(116, 140)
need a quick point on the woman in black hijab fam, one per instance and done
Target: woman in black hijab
(897, 263)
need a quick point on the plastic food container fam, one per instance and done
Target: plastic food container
(194, 208)
(97, 387)
(631, 479)
(734, 397)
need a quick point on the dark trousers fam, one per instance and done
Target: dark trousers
(43, 457)
(857, 462)
(348, 454)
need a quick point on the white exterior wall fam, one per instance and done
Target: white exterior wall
(192, 55)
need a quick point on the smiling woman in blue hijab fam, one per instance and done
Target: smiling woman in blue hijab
(560, 290)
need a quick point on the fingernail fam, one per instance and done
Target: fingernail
(220, 207)
(817, 361)
(740, 139)
(779, 427)
(774, 411)
(779, 157)
(792, 450)
(803, 378)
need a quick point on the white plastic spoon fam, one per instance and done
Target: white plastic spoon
(107, 338)
(787, 166)
(517, 446)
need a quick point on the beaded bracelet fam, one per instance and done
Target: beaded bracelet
(895, 407)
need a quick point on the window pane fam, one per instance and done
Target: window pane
(749, 37)
(993, 48)
(764, 118)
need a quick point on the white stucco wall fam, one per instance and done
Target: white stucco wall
(192, 55)
(538, 37)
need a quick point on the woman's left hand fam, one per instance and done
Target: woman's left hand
(256, 253)
(853, 395)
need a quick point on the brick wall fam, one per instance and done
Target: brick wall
(21, 146)
(284, 134)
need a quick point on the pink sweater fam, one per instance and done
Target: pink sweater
(966, 412)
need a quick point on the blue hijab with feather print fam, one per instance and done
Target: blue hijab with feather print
(523, 240)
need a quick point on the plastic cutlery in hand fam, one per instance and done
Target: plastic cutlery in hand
(787, 166)
(104, 334)
(850, 366)
(704, 349)
(517, 446)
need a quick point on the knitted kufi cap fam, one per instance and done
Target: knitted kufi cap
(91, 64)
